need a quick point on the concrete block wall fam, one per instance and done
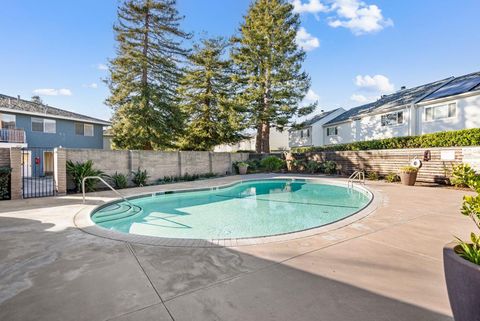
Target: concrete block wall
(158, 164)
(16, 173)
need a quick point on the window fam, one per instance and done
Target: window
(308, 132)
(44, 125)
(301, 133)
(7, 121)
(332, 131)
(392, 119)
(82, 129)
(440, 112)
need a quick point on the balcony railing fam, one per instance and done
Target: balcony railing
(12, 136)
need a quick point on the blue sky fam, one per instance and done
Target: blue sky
(356, 50)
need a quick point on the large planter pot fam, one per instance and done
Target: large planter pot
(242, 170)
(463, 284)
(408, 178)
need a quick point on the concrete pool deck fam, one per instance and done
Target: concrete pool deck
(386, 266)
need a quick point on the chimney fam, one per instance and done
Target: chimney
(321, 110)
(18, 98)
(403, 87)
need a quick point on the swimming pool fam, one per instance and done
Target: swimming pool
(247, 209)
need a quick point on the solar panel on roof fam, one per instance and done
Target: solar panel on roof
(455, 87)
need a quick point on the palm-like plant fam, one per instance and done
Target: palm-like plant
(78, 171)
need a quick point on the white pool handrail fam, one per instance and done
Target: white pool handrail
(108, 185)
(358, 176)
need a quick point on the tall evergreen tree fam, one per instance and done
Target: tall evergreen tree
(145, 74)
(205, 96)
(269, 64)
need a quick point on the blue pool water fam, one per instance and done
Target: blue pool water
(247, 209)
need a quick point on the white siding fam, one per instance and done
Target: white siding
(296, 140)
(346, 133)
(370, 127)
(467, 116)
(278, 140)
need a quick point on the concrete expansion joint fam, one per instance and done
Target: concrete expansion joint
(132, 250)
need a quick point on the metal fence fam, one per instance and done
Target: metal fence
(38, 165)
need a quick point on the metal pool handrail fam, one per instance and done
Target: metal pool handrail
(357, 175)
(108, 185)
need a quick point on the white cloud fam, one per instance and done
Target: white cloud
(93, 85)
(378, 83)
(359, 98)
(358, 16)
(102, 67)
(311, 6)
(306, 41)
(53, 92)
(310, 98)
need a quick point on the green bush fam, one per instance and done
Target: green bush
(77, 171)
(471, 208)
(140, 177)
(272, 163)
(329, 167)
(392, 177)
(119, 180)
(5, 182)
(313, 166)
(373, 176)
(462, 175)
(466, 137)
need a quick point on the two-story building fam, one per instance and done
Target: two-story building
(448, 104)
(39, 128)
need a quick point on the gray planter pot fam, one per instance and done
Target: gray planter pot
(242, 170)
(463, 284)
(408, 178)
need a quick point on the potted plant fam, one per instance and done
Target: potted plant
(461, 261)
(408, 175)
(242, 168)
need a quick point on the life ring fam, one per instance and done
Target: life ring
(416, 163)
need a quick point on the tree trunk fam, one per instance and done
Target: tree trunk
(262, 142)
(145, 47)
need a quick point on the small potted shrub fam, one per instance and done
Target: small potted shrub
(461, 261)
(242, 168)
(408, 175)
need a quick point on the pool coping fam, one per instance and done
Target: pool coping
(83, 221)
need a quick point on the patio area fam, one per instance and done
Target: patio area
(384, 267)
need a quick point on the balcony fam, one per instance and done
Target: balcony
(16, 136)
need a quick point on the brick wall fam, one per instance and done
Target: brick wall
(4, 157)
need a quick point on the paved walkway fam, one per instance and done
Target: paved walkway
(385, 267)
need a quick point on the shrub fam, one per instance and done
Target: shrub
(392, 178)
(408, 169)
(208, 175)
(77, 171)
(462, 175)
(272, 163)
(466, 137)
(313, 166)
(5, 182)
(373, 176)
(329, 167)
(119, 180)
(140, 177)
(471, 208)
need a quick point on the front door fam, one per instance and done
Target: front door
(48, 163)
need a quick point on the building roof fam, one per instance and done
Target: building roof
(316, 118)
(16, 105)
(434, 90)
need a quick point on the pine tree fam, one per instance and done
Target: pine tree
(145, 74)
(37, 99)
(269, 64)
(206, 93)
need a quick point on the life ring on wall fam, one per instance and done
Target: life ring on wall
(416, 163)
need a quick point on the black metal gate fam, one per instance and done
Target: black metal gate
(38, 172)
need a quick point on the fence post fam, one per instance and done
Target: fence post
(60, 170)
(16, 174)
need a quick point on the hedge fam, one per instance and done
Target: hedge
(465, 137)
(4, 183)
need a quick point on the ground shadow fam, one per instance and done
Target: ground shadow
(70, 275)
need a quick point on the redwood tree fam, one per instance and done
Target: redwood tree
(269, 68)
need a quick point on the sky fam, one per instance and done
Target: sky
(356, 50)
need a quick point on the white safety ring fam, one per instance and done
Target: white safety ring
(416, 163)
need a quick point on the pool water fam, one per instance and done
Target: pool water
(247, 209)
